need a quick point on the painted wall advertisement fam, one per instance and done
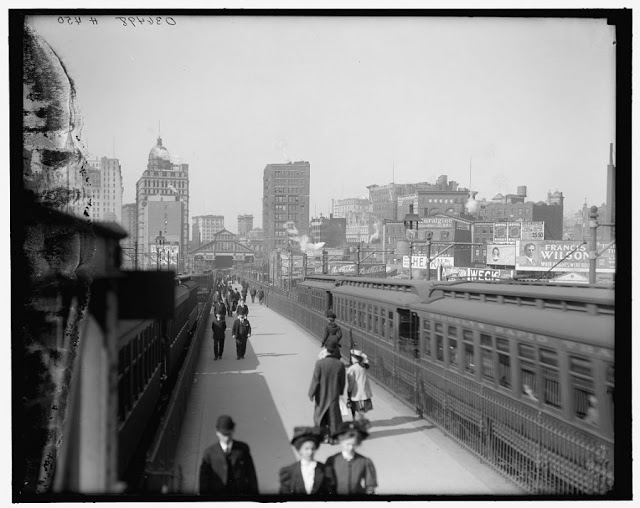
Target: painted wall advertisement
(437, 222)
(500, 232)
(543, 255)
(507, 232)
(501, 254)
(533, 230)
(421, 262)
(454, 273)
(165, 254)
(350, 269)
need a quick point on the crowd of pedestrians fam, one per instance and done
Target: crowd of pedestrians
(336, 390)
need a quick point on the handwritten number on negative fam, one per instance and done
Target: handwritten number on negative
(69, 20)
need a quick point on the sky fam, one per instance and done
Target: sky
(491, 102)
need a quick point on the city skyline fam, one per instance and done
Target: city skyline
(352, 100)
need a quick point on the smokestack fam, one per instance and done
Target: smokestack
(411, 208)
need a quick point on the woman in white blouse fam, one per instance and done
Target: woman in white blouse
(307, 476)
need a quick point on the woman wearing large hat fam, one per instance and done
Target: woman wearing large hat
(358, 386)
(307, 476)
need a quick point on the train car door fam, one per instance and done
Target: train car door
(329, 303)
(408, 333)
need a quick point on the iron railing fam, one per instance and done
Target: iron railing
(537, 452)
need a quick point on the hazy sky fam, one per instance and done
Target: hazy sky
(530, 101)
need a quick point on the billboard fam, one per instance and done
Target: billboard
(533, 230)
(437, 222)
(514, 230)
(477, 274)
(501, 254)
(350, 269)
(500, 232)
(421, 262)
(164, 254)
(544, 255)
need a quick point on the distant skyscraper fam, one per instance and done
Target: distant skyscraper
(245, 224)
(208, 226)
(128, 222)
(285, 199)
(105, 178)
(162, 181)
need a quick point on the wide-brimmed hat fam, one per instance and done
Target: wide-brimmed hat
(356, 353)
(225, 425)
(352, 426)
(302, 434)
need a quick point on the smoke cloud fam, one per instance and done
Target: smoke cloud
(305, 245)
(471, 205)
(282, 146)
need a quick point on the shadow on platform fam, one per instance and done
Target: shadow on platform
(223, 387)
(396, 420)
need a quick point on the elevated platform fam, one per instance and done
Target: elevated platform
(266, 394)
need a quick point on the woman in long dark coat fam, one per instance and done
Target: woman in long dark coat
(327, 385)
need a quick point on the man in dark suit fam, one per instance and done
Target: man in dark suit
(227, 467)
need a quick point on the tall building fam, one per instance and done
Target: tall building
(105, 177)
(285, 199)
(332, 231)
(441, 197)
(128, 222)
(384, 199)
(359, 221)
(162, 181)
(245, 224)
(207, 226)
(610, 217)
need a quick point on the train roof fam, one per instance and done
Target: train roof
(597, 330)
(579, 293)
(319, 284)
(396, 292)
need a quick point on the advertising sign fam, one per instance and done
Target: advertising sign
(542, 255)
(421, 262)
(437, 222)
(500, 232)
(501, 254)
(514, 230)
(350, 269)
(477, 274)
(533, 230)
(168, 253)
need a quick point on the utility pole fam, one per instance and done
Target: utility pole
(593, 230)
(429, 237)
(358, 260)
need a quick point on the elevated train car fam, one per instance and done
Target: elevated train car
(148, 352)
(521, 374)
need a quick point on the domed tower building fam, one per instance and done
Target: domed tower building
(162, 199)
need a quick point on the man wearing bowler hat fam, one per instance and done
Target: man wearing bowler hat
(227, 467)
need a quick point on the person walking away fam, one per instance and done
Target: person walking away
(235, 296)
(227, 467)
(358, 386)
(307, 476)
(327, 384)
(241, 332)
(219, 325)
(253, 295)
(355, 473)
(260, 296)
(242, 308)
(332, 328)
(229, 302)
(243, 293)
(220, 308)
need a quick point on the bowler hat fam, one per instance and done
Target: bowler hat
(332, 344)
(302, 434)
(225, 424)
(351, 426)
(331, 314)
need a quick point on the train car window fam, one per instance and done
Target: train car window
(469, 365)
(504, 362)
(408, 335)
(369, 318)
(383, 322)
(439, 342)
(392, 331)
(375, 320)
(526, 351)
(486, 354)
(585, 403)
(362, 317)
(550, 378)
(426, 334)
(453, 345)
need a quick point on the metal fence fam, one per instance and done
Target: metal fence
(539, 453)
(161, 474)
